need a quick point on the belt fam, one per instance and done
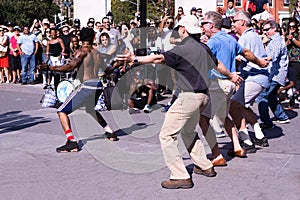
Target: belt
(195, 91)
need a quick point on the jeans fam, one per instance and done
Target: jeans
(28, 61)
(268, 98)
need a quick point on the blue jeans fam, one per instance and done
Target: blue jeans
(28, 61)
(268, 98)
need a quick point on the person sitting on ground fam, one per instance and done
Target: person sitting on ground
(86, 60)
(143, 96)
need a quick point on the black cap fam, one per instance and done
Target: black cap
(9, 24)
(194, 9)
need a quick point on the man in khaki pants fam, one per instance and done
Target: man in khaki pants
(192, 60)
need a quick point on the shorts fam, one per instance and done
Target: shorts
(247, 93)
(15, 62)
(85, 94)
(220, 93)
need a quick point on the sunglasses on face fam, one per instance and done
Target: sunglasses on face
(266, 29)
(292, 26)
(235, 20)
(169, 22)
(203, 23)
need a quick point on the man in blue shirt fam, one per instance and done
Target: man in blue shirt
(221, 89)
(277, 50)
(28, 47)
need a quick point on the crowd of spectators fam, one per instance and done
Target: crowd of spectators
(44, 42)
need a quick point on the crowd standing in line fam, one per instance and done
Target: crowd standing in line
(261, 63)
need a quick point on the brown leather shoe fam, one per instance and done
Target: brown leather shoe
(240, 153)
(221, 162)
(177, 183)
(209, 172)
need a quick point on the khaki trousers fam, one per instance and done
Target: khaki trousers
(183, 116)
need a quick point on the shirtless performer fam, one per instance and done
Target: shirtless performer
(87, 61)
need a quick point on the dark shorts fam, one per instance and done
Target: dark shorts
(15, 62)
(86, 94)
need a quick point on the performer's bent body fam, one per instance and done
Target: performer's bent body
(87, 61)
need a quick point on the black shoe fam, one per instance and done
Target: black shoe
(24, 83)
(249, 148)
(266, 126)
(261, 142)
(209, 172)
(70, 146)
(32, 83)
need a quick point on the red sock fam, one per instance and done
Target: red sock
(69, 135)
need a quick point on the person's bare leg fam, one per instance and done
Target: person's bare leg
(150, 96)
(64, 121)
(232, 132)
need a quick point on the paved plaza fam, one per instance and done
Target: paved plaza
(133, 167)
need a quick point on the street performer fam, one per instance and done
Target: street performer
(86, 61)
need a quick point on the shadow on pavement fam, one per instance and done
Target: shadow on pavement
(15, 120)
(119, 132)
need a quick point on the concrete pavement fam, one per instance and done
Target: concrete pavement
(131, 168)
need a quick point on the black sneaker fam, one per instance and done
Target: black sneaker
(249, 148)
(133, 110)
(70, 146)
(261, 142)
(266, 126)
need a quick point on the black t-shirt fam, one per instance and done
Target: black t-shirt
(192, 61)
(259, 5)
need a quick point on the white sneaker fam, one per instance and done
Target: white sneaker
(220, 134)
(285, 121)
(147, 109)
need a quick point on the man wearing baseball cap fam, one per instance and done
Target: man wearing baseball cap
(192, 60)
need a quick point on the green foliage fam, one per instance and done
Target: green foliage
(23, 12)
(124, 11)
(292, 5)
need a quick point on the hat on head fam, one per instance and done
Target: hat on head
(45, 21)
(194, 9)
(191, 24)
(65, 25)
(17, 28)
(9, 24)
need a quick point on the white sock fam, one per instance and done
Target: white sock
(108, 129)
(257, 130)
(245, 136)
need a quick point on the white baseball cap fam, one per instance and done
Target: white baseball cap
(191, 24)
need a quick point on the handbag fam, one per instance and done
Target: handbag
(49, 99)
(3, 50)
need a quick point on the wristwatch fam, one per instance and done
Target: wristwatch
(136, 61)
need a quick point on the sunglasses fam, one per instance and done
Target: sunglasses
(203, 23)
(65, 31)
(266, 29)
(170, 22)
(292, 26)
(235, 20)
